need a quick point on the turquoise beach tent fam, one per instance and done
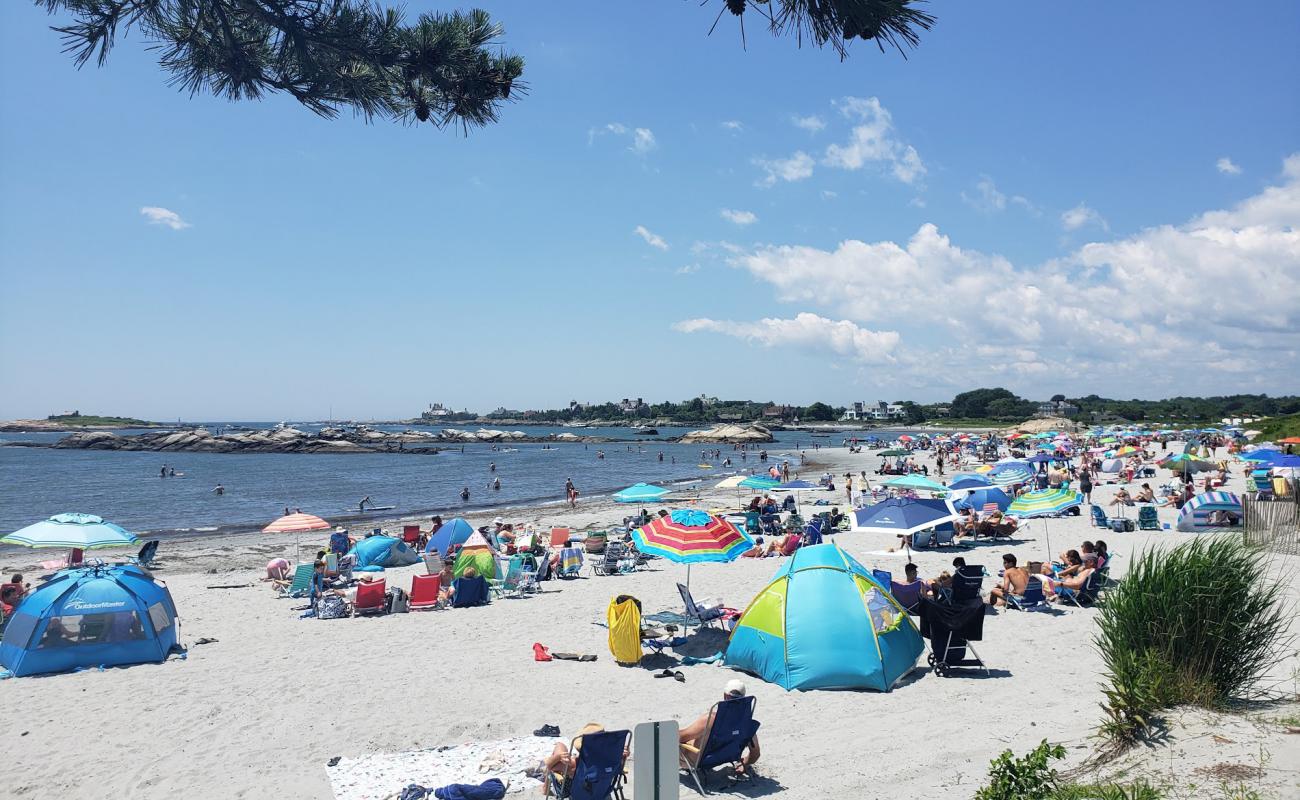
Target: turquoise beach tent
(825, 623)
(451, 534)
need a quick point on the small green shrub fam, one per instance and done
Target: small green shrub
(1139, 790)
(1196, 624)
(1027, 778)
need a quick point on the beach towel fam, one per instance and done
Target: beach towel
(490, 789)
(624, 619)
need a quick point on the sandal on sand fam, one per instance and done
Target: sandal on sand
(679, 676)
(665, 674)
(547, 730)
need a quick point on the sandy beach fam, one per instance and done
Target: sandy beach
(261, 710)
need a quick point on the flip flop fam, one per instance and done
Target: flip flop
(680, 678)
(586, 658)
(665, 674)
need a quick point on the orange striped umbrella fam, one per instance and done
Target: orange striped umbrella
(297, 523)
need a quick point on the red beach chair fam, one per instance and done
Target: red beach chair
(370, 598)
(424, 591)
(559, 537)
(411, 535)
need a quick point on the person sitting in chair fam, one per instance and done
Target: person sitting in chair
(562, 761)
(1145, 494)
(1122, 498)
(1070, 564)
(696, 734)
(1014, 581)
(1078, 580)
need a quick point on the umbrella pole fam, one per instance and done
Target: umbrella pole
(1047, 535)
(687, 624)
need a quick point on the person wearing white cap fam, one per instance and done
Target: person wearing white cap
(697, 733)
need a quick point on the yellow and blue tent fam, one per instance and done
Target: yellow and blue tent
(825, 623)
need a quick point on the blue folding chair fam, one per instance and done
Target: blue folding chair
(598, 775)
(731, 728)
(1085, 596)
(1099, 518)
(882, 577)
(1033, 598)
(468, 592)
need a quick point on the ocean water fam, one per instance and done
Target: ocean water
(125, 487)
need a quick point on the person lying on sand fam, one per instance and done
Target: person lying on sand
(1014, 581)
(697, 733)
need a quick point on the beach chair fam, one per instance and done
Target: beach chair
(923, 539)
(432, 563)
(945, 535)
(908, 595)
(370, 598)
(467, 592)
(1085, 596)
(1099, 519)
(513, 582)
(1032, 599)
(411, 536)
(613, 560)
(598, 773)
(882, 577)
(966, 583)
(1148, 520)
(753, 523)
(146, 555)
(424, 591)
(731, 728)
(697, 613)
(559, 537)
(570, 563)
(301, 586)
(813, 532)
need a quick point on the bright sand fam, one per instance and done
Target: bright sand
(259, 712)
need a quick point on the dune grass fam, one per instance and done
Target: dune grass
(1197, 624)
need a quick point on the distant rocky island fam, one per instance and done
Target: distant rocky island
(75, 421)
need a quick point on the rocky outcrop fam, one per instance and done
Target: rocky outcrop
(729, 434)
(1044, 425)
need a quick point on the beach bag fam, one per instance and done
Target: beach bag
(332, 607)
(397, 601)
(1121, 525)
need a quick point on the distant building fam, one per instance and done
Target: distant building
(877, 412)
(574, 405)
(435, 411)
(1056, 408)
(780, 412)
(708, 401)
(631, 406)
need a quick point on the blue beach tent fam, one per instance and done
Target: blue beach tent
(89, 617)
(383, 551)
(825, 623)
(451, 534)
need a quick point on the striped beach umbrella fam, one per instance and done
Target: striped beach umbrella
(297, 523)
(1045, 503)
(687, 536)
(760, 483)
(79, 531)
(1011, 472)
(915, 482)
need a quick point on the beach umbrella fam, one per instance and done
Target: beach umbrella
(760, 483)
(730, 483)
(903, 515)
(1260, 455)
(1011, 472)
(1127, 449)
(796, 486)
(73, 531)
(967, 480)
(1290, 440)
(641, 493)
(1045, 503)
(895, 451)
(688, 536)
(1185, 464)
(297, 523)
(982, 497)
(915, 482)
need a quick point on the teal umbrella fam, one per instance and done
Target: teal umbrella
(641, 493)
(916, 482)
(80, 531)
(760, 483)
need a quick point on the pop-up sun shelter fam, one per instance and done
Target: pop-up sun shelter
(383, 551)
(1195, 514)
(450, 535)
(825, 623)
(89, 617)
(476, 553)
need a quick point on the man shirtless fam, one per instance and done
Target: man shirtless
(697, 733)
(1014, 581)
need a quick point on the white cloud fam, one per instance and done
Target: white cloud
(1082, 215)
(795, 168)
(1209, 306)
(642, 139)
(688, 269)
(651, 239)
(739, 217)
(732, 125)
(827, 194)
(986, 198)
(811, 123)
(874, 141)
(164, 216)
(805, 331)
(1226, 166)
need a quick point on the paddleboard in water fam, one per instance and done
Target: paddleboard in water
(704, 466)
(369, 509)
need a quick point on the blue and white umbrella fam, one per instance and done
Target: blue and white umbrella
(1008, 473)
(903, 515)
(80, 531)
(967, 480)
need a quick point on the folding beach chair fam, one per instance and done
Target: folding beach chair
(882, 577)
(1148, 520)
(615, 561)
(731, 728)
(1099, 518)
(923, 539)
(1033, 598)
(468, 592)
(598, 774)
(944, 535)
(432, 563)
(1085, 596)
(147, 553)
(966, 583)
(370, 598)
(908, 595)
(697, 613)
(570, 563)
(424, 591)
(559, 537)
(411, 536)
(301, 585)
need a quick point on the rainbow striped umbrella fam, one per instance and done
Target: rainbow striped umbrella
(687, 536)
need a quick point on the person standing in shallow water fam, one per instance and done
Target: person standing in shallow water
(464, 495)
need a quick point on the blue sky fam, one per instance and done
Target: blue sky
(1070, 197)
